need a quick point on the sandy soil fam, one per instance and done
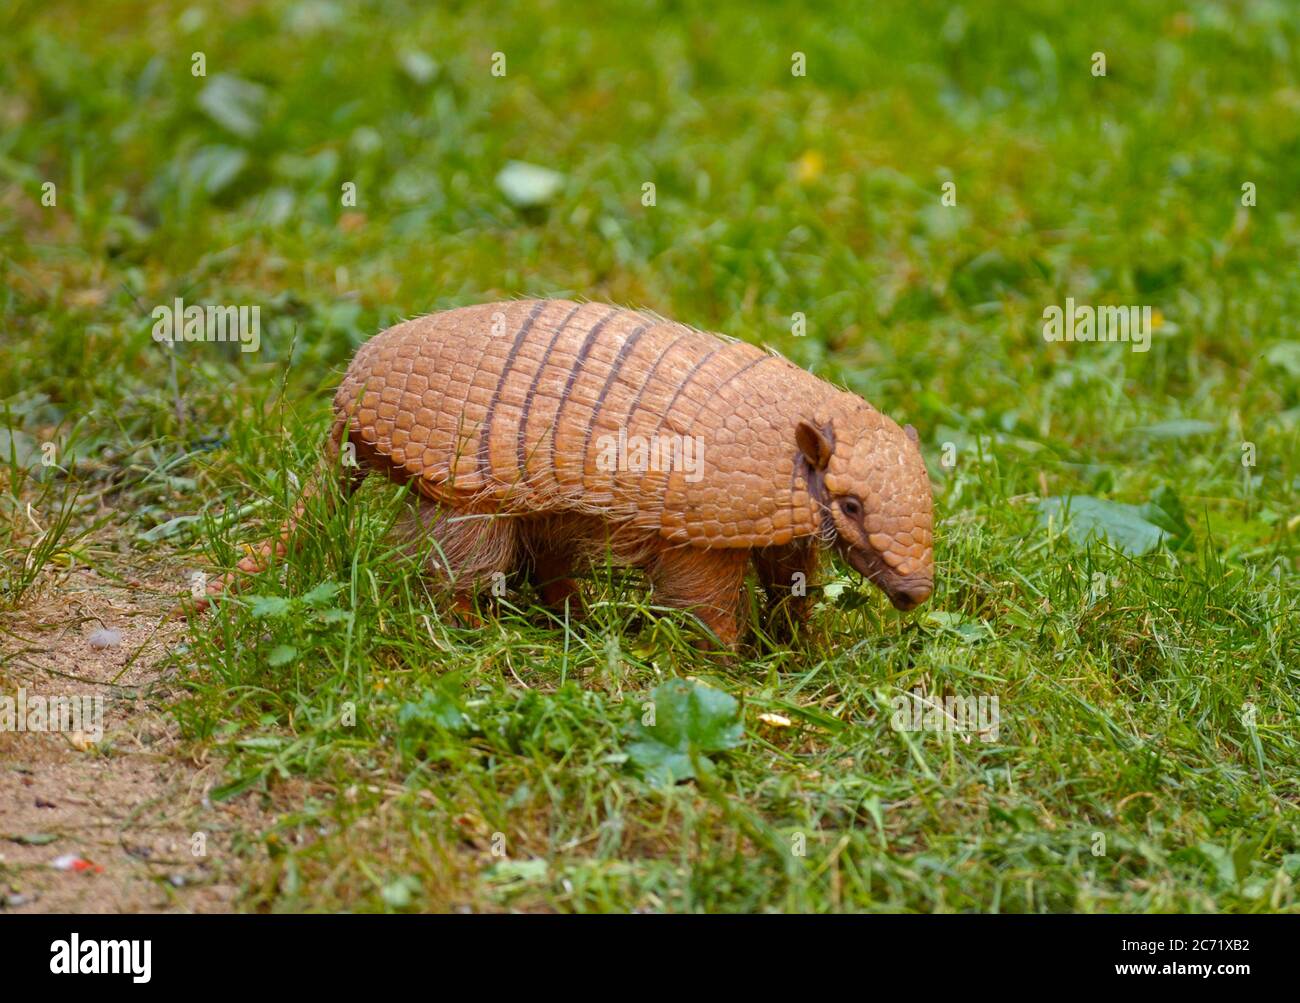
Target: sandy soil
(129, 803)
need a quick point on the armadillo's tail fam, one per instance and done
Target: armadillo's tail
(334, 465)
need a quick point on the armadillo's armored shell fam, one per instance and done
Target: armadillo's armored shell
(543, 405)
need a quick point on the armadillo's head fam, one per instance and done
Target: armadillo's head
(867, 475)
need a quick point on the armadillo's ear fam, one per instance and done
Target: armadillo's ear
(911, 434)
(814, 445)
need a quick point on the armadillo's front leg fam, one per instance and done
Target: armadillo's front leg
(471, 551)
(708, 582)
(349, 476)
(786, 574)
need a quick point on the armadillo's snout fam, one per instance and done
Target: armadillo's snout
(909, 594)
(904, 591)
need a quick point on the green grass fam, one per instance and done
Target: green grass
(1159, 718)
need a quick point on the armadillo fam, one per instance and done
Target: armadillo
(529, 431)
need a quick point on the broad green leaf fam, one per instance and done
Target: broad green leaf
(1285, 355)
(527, 185)
(1166, 511)
(834, 589)
(419, 66)
(234, 103)
(970, 631)
(400, 893)
(421, 724)
(281, 654)
(1221, 859)
(269, 606)
(689, 717)
(32, 838)
(20, 446)
(215, 168)
(1179, 428)
(508, 871)
(1085, 518)
(261, 742)
(169, 528)
(321, 594)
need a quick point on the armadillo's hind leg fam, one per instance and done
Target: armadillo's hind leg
(551, 573)
(786, 574)
(709, 583)
(550, 567)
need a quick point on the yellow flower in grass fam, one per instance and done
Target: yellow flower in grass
(809, 167)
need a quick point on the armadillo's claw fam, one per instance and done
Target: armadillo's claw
(464, 613)
(254, 562)
(175, 613)
(225, 585)
(185, 610)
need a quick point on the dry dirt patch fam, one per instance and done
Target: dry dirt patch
(130, 803)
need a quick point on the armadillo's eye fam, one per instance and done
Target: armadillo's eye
(852, 507)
